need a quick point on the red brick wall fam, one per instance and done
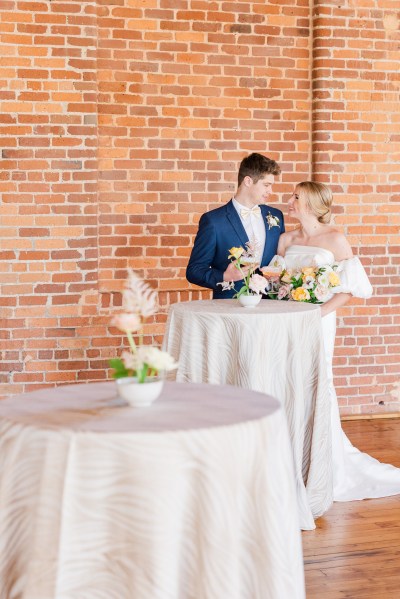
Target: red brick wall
(49, 210)
(123, 121)
(356, 150)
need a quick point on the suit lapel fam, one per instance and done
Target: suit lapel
(264, 212)
(236, 223)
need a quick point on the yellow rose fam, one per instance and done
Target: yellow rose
(334, 280)
(308, 271)
(235, 253)
(300, 294)
(286, 277)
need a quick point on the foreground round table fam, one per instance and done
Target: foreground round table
(276, 348)
(191, 498)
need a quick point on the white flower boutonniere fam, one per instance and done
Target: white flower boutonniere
(273, 221)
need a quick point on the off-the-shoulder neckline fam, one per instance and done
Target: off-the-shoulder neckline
(312, 247)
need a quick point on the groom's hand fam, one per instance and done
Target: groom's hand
(234, 274)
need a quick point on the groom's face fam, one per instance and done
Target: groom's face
(260, 191)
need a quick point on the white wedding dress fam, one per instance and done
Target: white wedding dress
(356, 475)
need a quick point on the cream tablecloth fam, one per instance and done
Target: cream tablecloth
(276, 348)
(192, 498)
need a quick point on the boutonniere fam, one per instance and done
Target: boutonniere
(273, 221)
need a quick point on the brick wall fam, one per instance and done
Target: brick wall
(356, 150)
(124, 120)
(49, 220)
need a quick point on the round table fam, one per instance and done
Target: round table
(191, 498)
(276, 348)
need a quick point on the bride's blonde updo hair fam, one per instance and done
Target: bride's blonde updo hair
(319, 199)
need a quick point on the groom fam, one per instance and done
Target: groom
(232, 225)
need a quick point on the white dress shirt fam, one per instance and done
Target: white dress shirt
(254, 227)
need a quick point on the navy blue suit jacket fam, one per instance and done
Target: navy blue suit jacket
(219, 230)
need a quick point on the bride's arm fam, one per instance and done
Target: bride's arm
(340, 247)
(338, 300)
(342, 251)
(283, 243)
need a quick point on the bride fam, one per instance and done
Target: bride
(356, 475)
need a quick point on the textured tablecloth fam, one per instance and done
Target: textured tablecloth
(191, 498)
(276, 348)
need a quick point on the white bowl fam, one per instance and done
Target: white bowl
(140, 394)
(249, 301)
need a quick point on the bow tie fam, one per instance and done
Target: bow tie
(245, 212)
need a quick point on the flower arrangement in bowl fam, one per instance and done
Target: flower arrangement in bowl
(253, 284)
(311, 284)
(139, 372)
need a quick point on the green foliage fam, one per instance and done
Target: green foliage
(120, 370)
(296, 282)
(243, 291)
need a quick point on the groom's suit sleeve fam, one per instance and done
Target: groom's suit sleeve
(200, 270)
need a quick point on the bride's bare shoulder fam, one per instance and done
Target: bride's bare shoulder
(285, 240)
(338, 244)
(289, 236)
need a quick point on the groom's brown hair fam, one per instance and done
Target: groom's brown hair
(256, 166)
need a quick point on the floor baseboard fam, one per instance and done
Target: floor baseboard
(370, 416)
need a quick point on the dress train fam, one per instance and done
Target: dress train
(356, 474)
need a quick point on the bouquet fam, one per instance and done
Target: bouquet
(139, 302)
(253, 284)
(312, 284)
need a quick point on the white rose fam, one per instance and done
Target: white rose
(157, 359)
(323, 280)
(321, 293)
(257, 283)
(278, 262)
(132, 361)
